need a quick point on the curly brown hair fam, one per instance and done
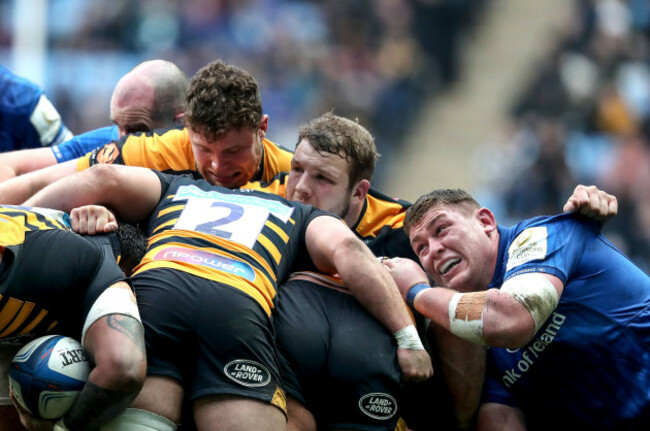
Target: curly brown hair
(222, 98)
(332, 134)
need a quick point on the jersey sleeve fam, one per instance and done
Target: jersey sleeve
(48, 124)
(82, 144)
(303, 261)
(552, 245)
(163, 150)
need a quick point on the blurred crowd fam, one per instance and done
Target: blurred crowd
(584, 118)
(375, 60)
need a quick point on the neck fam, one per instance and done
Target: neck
(354, 213)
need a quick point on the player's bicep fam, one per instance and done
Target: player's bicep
(114, 310)
(324, 236)
(516, 311)
(133, 192)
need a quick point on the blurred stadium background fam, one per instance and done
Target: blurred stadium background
(516, 101)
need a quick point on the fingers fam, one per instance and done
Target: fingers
(415, 365)
(92, 219)
(592, 202)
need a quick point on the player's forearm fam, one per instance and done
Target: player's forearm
(371, 284)
(96, 406)
(17, 190)
(490, 317)
(68, 193)
(15, 163)
(7, 170)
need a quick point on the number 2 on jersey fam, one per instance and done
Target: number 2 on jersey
(241, 223)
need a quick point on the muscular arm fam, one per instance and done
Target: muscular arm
(335, 249)
(14, 163)
(16, 190)
(506, 317)
(504, 321)
(115, 342)
(131, 192)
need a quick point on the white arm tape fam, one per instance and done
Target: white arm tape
(470, 330)
(114, 300)
(60, 426)
(139, 420)
(408, 338)
(535, 292)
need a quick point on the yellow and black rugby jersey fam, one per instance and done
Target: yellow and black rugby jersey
(277, 185)
(16, 220)
(49, 276)
(247, 239)
(380, 226)
(171, 151)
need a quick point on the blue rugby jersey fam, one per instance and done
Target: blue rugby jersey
(27, 118)
(84, 143)
(588, 366)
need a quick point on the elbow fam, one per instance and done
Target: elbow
(349, 246)
(102, 173)
(506, 322)
(124, 373)
(506, 339)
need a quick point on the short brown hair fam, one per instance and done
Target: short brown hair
(332, 134)
(436, 198)
(222, 98)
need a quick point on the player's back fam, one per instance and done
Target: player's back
(50, 276)
(248, 239)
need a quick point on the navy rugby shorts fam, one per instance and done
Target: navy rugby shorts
(211, 337)
(336, 358)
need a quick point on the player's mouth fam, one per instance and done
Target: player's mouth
(226, 180)
(448, 265)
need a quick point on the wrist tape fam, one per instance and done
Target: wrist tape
(408, 338)
(413, 292)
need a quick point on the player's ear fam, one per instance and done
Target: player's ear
(487, 219)
(264, 126)
(361, 190)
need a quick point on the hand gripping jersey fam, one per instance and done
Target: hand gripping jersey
(171, 151)
(588, 367)
(247, 239)
(27, 118)
(49, 276)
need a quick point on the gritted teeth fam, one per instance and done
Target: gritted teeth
(445, 267)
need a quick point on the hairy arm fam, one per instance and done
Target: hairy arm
(17, 190)
(14, 163)
(131, 192)
(335, 249)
